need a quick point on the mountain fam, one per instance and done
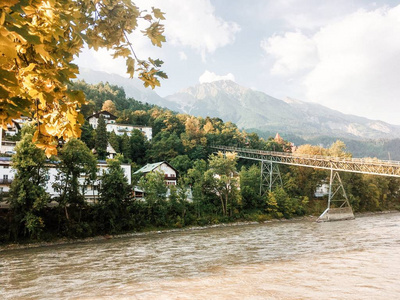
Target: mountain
(254, 110)
(251, 109)
(133, 87)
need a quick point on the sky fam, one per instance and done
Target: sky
(343, 54)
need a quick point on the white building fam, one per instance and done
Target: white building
(170, 173)
(108, 118)
(322, 190)
(91, 191)
(118, 129)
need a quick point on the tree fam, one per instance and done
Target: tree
(126, 146)
(109, 106)
(114, 192)
(39, 41)
(76, 160)
(101, 138)
(155, 190)
(182, 163)
(221, 179)
(27, 192)
(138, 144)
(114, 141)
(195, 178)
(165, 146)
(250, 187)
(87, 135)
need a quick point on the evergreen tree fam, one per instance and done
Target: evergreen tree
(138, 146)
(87, 135)
(114, 141)
(126, 146)
(115, 192)
(101, 138)
(27, 191)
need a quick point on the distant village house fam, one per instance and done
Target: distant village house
(118, 129)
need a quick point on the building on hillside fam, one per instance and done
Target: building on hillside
(13, 129)
(170, 173)
(278, 139)
(108, 118)
(121, 129)
(91, 191)
(170, 176)
(7, 147)
(322, 190)
(118, 129)
(289, 148)
(111, 153)
(15, 126)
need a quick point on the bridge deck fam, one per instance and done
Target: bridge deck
(355, 165)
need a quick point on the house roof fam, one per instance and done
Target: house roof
(150, 167)
(103, 112)
(110, 149)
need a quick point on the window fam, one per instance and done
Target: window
(5, 177)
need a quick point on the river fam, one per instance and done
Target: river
(355, 259)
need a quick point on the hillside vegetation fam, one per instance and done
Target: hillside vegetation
(220, 188)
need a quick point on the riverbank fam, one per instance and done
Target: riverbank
(64, 241)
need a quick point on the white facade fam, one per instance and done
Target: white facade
(322, 190)
(169, 173)
(7, 147)
(108, 118)
(120, 129)
(163, 167)
(91, 191)
(6, 174)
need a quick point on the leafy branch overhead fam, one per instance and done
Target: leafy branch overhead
(38, 43)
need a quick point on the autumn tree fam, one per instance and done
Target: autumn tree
(39, 41)
(109, 106)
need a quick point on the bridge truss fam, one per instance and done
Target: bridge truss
(338, 204)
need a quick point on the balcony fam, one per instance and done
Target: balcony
(5, 181)
(170, 177)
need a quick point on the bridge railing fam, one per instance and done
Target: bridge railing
(358, 165)
(316, 157)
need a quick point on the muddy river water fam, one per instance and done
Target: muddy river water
(355, 259)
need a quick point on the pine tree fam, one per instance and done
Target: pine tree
(126, 146)
(114, 142)
(101, 138)
(115, 192)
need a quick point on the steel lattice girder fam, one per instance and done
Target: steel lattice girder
(355, 165)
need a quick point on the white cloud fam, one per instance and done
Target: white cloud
(182, 55)
(356, 63)
(194, 24)
(293, 52)
(208, 76)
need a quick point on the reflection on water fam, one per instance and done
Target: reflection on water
(356, 259)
